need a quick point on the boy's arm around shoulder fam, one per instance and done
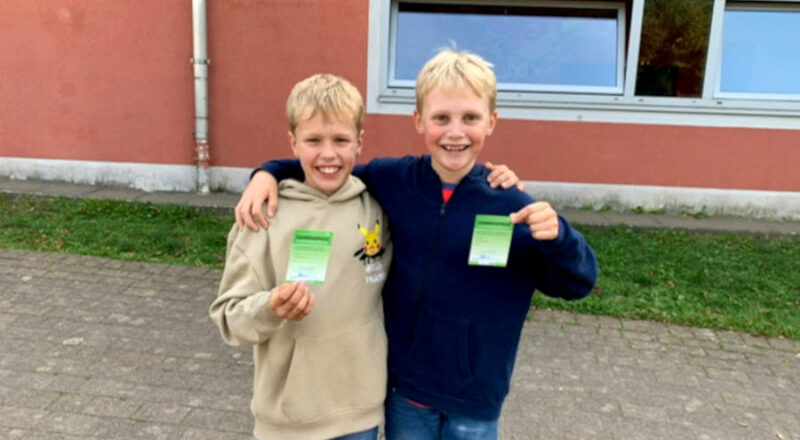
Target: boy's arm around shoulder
(263, 186)
(565, 265)
(241, 310)
(281, 169)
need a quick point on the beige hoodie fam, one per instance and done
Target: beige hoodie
(323, 376)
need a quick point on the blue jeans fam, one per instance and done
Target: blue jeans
(369, 434)
(405, 421)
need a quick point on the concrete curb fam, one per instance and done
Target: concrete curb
(227, 201)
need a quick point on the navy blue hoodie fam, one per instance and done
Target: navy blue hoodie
(454, 329)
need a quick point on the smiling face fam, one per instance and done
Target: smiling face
(454, 124)
(327, 149)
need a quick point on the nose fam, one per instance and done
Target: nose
(455, 130)
(327, 149)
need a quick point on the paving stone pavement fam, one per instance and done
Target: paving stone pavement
(93, 348)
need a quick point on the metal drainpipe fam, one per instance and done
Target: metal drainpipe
(200, 62)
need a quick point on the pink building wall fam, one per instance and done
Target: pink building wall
(111, 81)
(96, 80)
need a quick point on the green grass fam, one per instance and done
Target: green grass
(729, 281)
(106, 228)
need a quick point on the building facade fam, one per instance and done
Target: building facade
(679, 104)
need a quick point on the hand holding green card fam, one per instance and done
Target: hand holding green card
(491, 240)
(308, 260)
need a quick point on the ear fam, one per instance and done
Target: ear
(418, 122)
(293, 143)
(492, 123)
(360, 143)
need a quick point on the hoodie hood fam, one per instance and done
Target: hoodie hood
(297, 190)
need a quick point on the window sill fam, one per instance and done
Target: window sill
(621, 109)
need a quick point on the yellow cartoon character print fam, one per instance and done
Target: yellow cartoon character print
(372, 244)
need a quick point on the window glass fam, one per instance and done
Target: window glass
(673, 47)
(761, 52)
(528, 46)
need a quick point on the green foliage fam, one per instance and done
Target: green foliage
(677, 31)
(642, 210)
(673, 47)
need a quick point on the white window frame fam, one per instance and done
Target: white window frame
(708, 110)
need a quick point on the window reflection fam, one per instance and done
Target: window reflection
(528, 46)
(761, 52)
(674, 44)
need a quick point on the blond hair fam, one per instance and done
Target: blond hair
(451, 69)
(330, 95)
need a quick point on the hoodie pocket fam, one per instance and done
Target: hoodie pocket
(438, 360)
(336, 374)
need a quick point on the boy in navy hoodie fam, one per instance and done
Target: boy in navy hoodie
(453, 320)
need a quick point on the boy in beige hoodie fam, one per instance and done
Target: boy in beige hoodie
(319, 349)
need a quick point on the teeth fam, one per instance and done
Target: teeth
(328, 170)
(455, 147)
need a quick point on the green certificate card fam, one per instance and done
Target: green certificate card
(308, 260)
(491, 240)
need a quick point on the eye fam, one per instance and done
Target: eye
(471, 117)
(440, 118)
(312, 140)
(342, 140)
